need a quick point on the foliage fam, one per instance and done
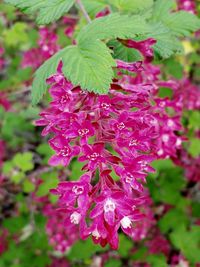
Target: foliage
(90, 53)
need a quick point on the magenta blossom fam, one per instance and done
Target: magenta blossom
(117, 137)
(64, 151)
(47, 46)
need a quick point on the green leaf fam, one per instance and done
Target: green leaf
(89, 66)
(28, 186)
(157, 260)
(132, 6)
(94, 6)
(9, 11)
(179, 23)
(48, 10)
(76, 171)
(16, 35)
(195, 209)
(39, 85)
(17, 177)
(24, 161)
(140, 253)
(161, 8)
(113, 262)
(194, 148)
(166, 44)
(167, 26)
(50, 180)
(188, 242)
(82, 250)
(16, 126)
(125, 244)
(174, 68)
(172, 220)
(113, 26)
(54, 10)
(182, 23)
(45, 151)
(15, 224)
(194, 119)
(125, 53)
(7, 167)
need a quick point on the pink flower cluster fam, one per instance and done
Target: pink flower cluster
(2, 152)
(47, 46)
(2, 60)
(158, 244)
(191, 165)
(57, 262)
(3, 240)
(70, 24)
(187, 5)
(4, 102)
(61, 233)
(186, 95)
(118, 134)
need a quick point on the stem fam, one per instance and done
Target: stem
(83, 10)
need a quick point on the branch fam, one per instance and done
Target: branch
(83, 10)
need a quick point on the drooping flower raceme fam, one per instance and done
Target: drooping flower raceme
(114, 135)
(47, 46)
(62, 234)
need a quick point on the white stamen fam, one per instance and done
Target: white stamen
(121, 126)
(165, 138)
(93, 156)
(160, 152)
(75, 217)
(96, 234)
(109, 205)
(78, 190)
(83, 132)
(125, 222)
(178, 142)
(170, 123)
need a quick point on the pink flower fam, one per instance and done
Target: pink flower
(132, 67)
(70, 192)
(64, 151)
(187, 5)
(143, 46)
(103, 13)
(4, 102)
(95, 155)
(70, 25)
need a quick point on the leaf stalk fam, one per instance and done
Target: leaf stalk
(83, 10)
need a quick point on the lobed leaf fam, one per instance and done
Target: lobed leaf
(89, 66)
(48, 10)
(39, 85)
(182, 23)
(161, 8)
(113, 26)
(132, 6)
